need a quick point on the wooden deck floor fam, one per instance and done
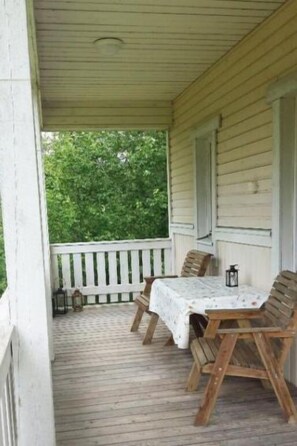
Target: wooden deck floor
(111, 390)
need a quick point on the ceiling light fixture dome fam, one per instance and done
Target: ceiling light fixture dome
(108, 46)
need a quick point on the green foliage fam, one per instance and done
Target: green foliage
(103, 186)
(106, 185)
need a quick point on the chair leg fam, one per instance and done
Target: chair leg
(169, 342)
(150, 329)
(194, 378)
(216, 379)
(266, 384)
(137, 319)
(197, 321)
(276, 377)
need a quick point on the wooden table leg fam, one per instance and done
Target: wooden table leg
(137, 319)
(150, 329)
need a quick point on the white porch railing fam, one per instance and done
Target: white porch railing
(8, 435)
(108, 272)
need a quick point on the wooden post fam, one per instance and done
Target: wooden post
(26, 242)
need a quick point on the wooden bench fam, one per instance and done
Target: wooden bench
(257, 349)
(195, 264)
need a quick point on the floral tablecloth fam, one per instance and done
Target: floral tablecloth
(175, 299)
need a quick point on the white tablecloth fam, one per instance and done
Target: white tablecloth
(175, 299)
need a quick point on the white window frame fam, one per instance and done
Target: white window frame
(207, 130)
(280, 95)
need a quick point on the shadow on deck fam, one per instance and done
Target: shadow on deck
(111, 390)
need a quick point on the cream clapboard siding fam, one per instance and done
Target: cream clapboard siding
(254, 263)
(235, 88)
(181, 245)
(90, 115)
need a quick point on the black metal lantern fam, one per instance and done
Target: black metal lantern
(60, 302)
(77, 301)
(232, 276)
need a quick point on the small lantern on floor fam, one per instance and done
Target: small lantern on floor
(232, 276)
(77, 301)
(59, 302)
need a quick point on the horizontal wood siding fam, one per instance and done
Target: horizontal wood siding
(235, 88)
(166, 45)
(181, 245)
(90, 115)
(254, 263)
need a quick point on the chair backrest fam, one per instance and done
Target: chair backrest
(281, 306)
(195, 264)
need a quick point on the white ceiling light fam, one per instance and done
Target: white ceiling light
(108, 46)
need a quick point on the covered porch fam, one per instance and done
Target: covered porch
(220, 77)
(109, 389)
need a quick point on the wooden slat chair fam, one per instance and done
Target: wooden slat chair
(195, 264)
(257, 349)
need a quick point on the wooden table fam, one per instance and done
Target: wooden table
(174, 300)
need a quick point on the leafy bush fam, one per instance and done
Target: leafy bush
(103, 186)
(106, 185)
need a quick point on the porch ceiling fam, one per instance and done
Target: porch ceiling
(167, 45)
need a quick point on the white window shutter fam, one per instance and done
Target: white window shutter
(204, 193)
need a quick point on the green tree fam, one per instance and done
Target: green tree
(108, 185)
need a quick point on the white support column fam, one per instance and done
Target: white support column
(24, 229)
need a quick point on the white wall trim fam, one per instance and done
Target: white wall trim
(286, 86)
(207, 129)
(22, 205)
(276, 138)
(169, 186)
(255, 237)
(182, 229)
(207, 126)
(276, 95)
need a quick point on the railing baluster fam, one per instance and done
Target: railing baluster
(146, 263)
(55, 271)
(157, 262)
(90, 275)
(113, 274)
(10, 389)
(5, 432)
(77, 266)
(135, 268)
(101, 272)
(124, 273)
(119, 267)
(7, 400)
(167, 261)
(66, 274)
(8, 414)
(1, 429)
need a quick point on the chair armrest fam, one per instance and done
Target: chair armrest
(246, 313)
(247, 333)
(150, 279)
(215, 317)
(251, 330)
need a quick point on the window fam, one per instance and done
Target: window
(204, 188)
(205, 184)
